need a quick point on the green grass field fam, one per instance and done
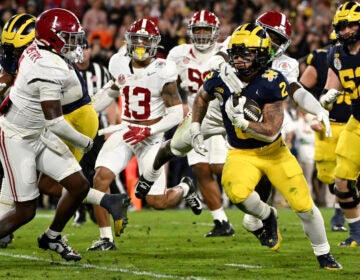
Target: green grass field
(170, 245)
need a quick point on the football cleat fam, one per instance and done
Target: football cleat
(80, 216)
(223, 228)
(328, 262)
(338, 228)
(59, 246)
(104, 244)
(269, 235)
(348, 243)
(6, 240)
(192, 199)
(142, 187)
(117, 205)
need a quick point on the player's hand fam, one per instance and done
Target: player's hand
(228, 75)
(329, 98)
(197, 139)
(88, 146)
(236, 113)
(323, 116)
(136, 134)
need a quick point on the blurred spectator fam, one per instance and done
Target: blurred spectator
(95, 16)
(78, 7)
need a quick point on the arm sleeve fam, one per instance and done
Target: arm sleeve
(62, 129)
(172, 117)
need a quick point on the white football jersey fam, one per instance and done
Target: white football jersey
(192, 67)
(42, 76)
(288, 66)
(140, 88)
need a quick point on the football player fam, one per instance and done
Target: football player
(343, 75)
(257, 148)
(151, 105)
(192, 66)
(23, 123)
(314, 79)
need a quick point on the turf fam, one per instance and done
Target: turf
(170, 245)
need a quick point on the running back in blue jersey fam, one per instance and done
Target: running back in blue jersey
(267, 87)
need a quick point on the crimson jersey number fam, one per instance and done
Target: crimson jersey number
(197, 77)
(141, 111)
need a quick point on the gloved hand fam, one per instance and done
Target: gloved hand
(89, 146)
(197, 139)
(136, 134)
(323, 116)
(236, 113)
(228, 75)
(329, 98)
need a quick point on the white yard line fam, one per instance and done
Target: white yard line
(106, 268)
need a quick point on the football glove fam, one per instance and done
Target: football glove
(89, 146)
(229, 77)
(236, 113)
(323, 116)
(197, 139)
(136, 134)
(329, 98)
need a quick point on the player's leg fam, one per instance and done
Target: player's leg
(288, 175)
(205, 169)
(112, 159)
(159, 197)
(239, 184)
(346, 173)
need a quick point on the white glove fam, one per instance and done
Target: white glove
(197, 139)
(228, 75)
(323, 116)
(215, 61)
(2, 86)
(330, 97)
(236, 114)
(89, 146)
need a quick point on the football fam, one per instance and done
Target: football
(252, 110)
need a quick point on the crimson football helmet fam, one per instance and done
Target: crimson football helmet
(276, 24)
(206, 20)
(142, 38)
(61, 31)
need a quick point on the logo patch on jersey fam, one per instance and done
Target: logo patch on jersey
(284, 67)
(186, 60)
(121, 79)
(337, 63)
(160, 64)
(270, 75)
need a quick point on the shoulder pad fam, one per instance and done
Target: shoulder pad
(166, 69)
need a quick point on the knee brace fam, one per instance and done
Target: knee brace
(353, 192)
